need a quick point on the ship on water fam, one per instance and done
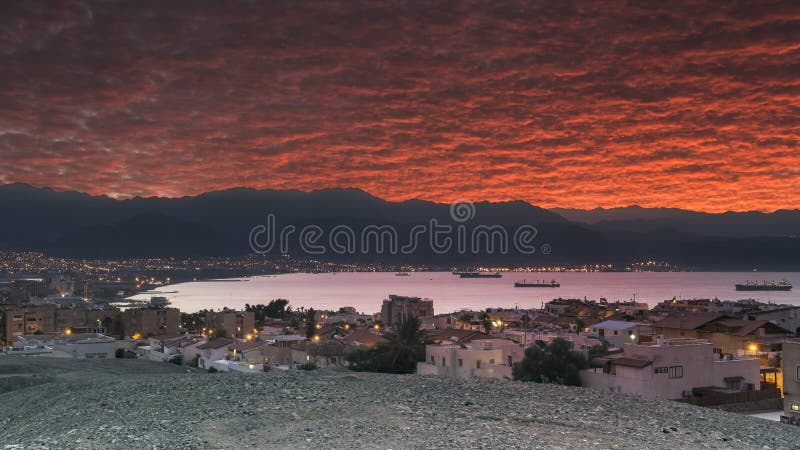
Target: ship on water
(782, 285)
(402, 274)
(478, 274)
(543, 284)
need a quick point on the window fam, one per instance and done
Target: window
(661, 369)
(795, 407)
(444, 361)
(676, 372)
(460, 362)
(510, 361)
(432, 360)
(616, 332)
(478, 364)
(491, 362)
(798, 373)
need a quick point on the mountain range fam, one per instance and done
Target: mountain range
(219, 223)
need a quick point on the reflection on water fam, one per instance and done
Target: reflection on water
(366, 290)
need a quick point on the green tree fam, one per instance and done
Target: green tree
(406, 347)
(310, 322)
(596, 351)
(557, 363)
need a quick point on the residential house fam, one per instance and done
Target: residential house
(786, 317)
(791, 382)
(362, 337)
(166, 347)
(77, 345)
(732, 335)
(455, 336)
(483, 358)
(618, 333)
(326, 354)
(671, 369)
(253, 351)
(213, 350)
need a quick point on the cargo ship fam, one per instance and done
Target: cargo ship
(551, 284)
(782, 285)
(478, 274)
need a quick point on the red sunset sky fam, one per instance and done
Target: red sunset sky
(560, 103)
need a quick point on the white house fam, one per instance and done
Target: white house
(670, 369)
(618, 333)
(84, 345)
(483, 358)
(213, 350)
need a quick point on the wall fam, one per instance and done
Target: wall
(791, 385)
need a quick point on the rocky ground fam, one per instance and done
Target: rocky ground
(51, 403)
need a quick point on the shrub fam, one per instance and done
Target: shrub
(556, 363)
(307, 366)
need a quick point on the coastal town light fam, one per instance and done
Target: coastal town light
(753, 348)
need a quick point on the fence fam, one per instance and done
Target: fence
(707, 398)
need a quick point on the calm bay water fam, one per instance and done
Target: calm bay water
(366, 290)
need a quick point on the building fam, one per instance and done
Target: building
(455, 336)
(671, 369)
(362, 337)
(684, 324)
(213, 350)
(150, 321)
(617, 333)
(248, 351)
(397, 308)
(83, 345)
(484, 358)
(166, 347)
(791, 382)
(16, 321)
(727, 334)
(231, 323)
(787, 318)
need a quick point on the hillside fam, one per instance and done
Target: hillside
(141, 405)
(219, 223)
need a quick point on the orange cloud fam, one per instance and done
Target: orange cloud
(674, 104)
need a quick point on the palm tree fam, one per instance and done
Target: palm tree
(526, 321)
(406, 346)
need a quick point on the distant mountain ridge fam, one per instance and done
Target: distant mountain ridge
(218, 224)
(732, 224)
